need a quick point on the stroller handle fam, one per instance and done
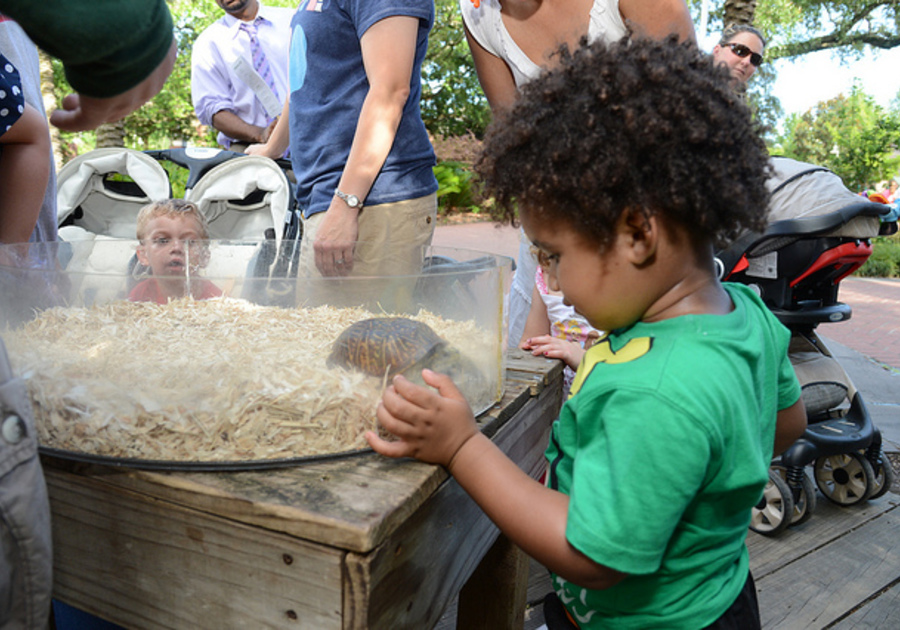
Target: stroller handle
(824, 223)
(197, 160)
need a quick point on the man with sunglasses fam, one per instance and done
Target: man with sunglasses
(741, 49)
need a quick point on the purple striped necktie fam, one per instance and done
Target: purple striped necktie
(260, 63)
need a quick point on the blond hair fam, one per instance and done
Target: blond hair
(171, 208)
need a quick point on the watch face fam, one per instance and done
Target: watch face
(353, 201)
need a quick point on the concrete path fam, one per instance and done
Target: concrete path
(867, 346)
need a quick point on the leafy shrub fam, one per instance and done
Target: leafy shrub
(884, 261)
(457, 188)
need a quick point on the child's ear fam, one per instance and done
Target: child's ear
(640, 232)
(142, 256)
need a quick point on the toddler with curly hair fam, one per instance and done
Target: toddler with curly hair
(627, 165)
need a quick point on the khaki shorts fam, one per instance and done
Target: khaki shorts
(388, 258)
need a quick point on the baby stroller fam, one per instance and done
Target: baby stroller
(243, 197)
(819, 233)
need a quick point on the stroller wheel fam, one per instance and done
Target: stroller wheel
(772, 514)
(804, 497)
(845, 479)
(884, 477)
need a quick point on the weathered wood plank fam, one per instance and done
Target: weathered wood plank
(821, 587)
(350, 502)
(152, 565)
(828, 523)
(494, 596)
(881, 612)
(538, 587)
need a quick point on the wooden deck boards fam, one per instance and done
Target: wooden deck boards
(840, 570)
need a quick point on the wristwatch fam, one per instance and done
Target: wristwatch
(351, 200)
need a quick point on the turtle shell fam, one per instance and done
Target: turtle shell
(384, 345)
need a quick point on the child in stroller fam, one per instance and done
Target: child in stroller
(172, 250)
(819, 233)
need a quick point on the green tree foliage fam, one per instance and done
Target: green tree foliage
(453, 103)
(797, 27)
(852, 135)
(793, 28)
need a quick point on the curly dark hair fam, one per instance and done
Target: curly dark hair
(639, 124)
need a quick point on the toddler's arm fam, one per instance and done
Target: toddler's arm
(24, 170)
(789, 426)
(438, 427)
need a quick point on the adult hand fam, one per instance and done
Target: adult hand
(432, 426)
(266, 132)
(336, 239)
(80, 112)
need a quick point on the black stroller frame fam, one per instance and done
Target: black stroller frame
(796, 266)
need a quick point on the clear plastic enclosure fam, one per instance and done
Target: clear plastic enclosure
(229, 358)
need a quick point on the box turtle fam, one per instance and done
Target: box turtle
(395, 345)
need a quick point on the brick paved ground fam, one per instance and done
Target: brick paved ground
(874, 328)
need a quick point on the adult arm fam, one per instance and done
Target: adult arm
(388, 54)
(24, 170)
(232, 126)
(658, 18)
(277, 143)
(81, 112)
(495, 77)
(117, 55)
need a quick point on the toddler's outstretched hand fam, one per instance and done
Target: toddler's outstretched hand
(552, 347)
(431, 425)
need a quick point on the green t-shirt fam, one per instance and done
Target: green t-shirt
(663, 448)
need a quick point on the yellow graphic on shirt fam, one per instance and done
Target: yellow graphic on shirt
(602, 352)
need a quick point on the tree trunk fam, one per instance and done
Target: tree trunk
(739, 12)
(46, 66)
(111, 135)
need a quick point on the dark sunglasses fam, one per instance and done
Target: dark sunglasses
(742, 51)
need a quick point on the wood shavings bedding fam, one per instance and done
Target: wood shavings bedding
(216, 380)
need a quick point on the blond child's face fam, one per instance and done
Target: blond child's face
(171, 245)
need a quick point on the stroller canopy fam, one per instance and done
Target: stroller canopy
(91, 197)
(243, 198)
(802, 190)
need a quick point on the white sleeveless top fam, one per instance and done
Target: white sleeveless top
(486, 26)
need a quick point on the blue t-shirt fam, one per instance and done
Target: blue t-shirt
(328, 85)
